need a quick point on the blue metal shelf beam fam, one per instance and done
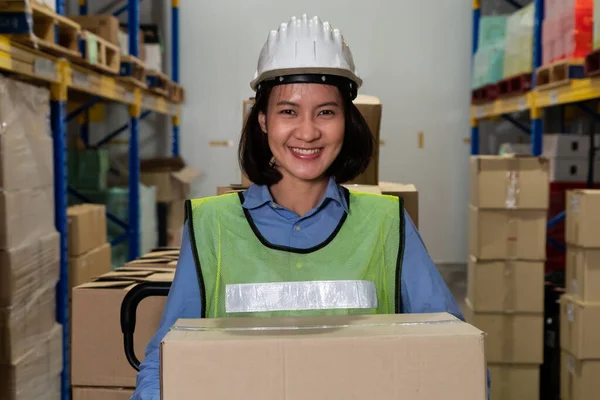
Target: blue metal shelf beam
(474, 123)
(86, 199)
(514, 4)
(175, 68)
(516, 123)
(117, 132)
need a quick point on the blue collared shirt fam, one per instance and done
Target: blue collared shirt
(423, 289)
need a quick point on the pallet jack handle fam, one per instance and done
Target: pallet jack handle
(129, 310)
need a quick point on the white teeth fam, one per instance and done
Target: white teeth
(305, 151)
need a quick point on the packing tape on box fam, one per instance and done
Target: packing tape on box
(510, 281)
(512, 184)
(512, 237)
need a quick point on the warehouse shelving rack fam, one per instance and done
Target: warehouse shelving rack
(576, 92)
(65, 80)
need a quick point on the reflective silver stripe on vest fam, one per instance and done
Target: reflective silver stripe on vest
(294, 296)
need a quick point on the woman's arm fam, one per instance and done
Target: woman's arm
(184, 301)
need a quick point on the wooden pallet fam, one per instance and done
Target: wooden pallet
(177, 94)
(99, 53)
(592, 63)
(559, 73)
(485, 94)
(133, 71)
(158, 82)
(39, 27)
(514, 85)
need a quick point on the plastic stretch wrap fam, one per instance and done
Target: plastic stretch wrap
(518, 49)
(488, 62)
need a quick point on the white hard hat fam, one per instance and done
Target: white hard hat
(306, 50)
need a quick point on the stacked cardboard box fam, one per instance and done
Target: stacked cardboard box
(104, 26)
(97, 331)
(505, 294)
(370, 108)
(580, 307)
(89, 253)
(30, 338)
(567, 29)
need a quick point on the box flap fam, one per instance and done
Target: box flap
(146, 268)
(186, 175)
(366, 99)
(396, 187)
(106, 284)
(364, 188)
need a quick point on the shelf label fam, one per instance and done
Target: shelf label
(479, 111)
(81, 79)
(553, 97)
(522, 105)
(129, 97)
(46, 68)
(147, 102)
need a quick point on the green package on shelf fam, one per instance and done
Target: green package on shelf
(88, 169)
(492, 31)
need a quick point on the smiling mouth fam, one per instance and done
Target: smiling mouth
(306, 152)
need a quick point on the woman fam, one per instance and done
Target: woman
(296, 242)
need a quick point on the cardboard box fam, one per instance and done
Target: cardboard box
(174, 237)
(23, 325)
(97, 332)
(514, 382)
(105, 26)
(583, 274)
(27, 215)
(583, 218)
(370, 107)
(567, 145)
(511, 338)
(176, 214)
(173, 180)
(509, 182)
(92, 393)
(410, 195)
(89, 265)
(572, 169)
(579, 378)
(344, 357)
(506, 286)
(507, 234)
(580, 328)
(35, 375)
(25, 269)
(87, 227)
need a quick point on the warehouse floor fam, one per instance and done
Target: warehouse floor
(455, 276)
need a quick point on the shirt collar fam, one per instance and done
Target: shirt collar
(258, 195)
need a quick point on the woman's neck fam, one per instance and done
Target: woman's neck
(299, 196)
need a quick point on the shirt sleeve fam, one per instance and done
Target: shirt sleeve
(184, 301)
(423, 288)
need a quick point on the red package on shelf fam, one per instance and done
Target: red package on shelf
(577, 44)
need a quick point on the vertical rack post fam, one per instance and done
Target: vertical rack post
(134, 132)
(58, 114)
(84, 129)
(474, 122)
(537, 123)
(175, 68)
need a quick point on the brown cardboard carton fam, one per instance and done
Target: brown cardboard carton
(514, 382)
(583, 274)
(510, 338)
(370, 108)
(97, 332)
(509, 182)
(579, 378)
(25, 269)
(580, 328)
(583, 218)
(410, 195)
(507, 234)
(173, 180)
(105, 26)
(27, 215)
(92, 264)
(23, 325)
(345, 357)
(35, 375)
(96, 393)
(506, 286)
(87, 227)
(176, 214)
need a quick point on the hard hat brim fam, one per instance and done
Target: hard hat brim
(275, 73)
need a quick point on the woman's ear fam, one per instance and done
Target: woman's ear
(262, 121)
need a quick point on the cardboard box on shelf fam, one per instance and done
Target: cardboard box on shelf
(104, 26)
(326, 357)
(22, 325)
(509, 182)
(91, 264)
(507, 234)
(515, 382)
(583, 218)
(173, 180)
(370, 107)
(583, 274)
(511, 338)
(36, 374)
(579, 378)
(505, 286)
(96, 328)
(572, 169)
(87, 227)
(98, 393)
(580, 328)
(27, 268)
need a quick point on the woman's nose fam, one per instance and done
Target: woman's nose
(308, 130)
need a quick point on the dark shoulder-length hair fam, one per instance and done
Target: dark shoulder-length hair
(255, 155)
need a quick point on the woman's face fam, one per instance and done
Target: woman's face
(305, 126)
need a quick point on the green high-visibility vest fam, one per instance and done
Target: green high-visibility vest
(356, 271)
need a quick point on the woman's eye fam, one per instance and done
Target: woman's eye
(327, 112)
(288, 112)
